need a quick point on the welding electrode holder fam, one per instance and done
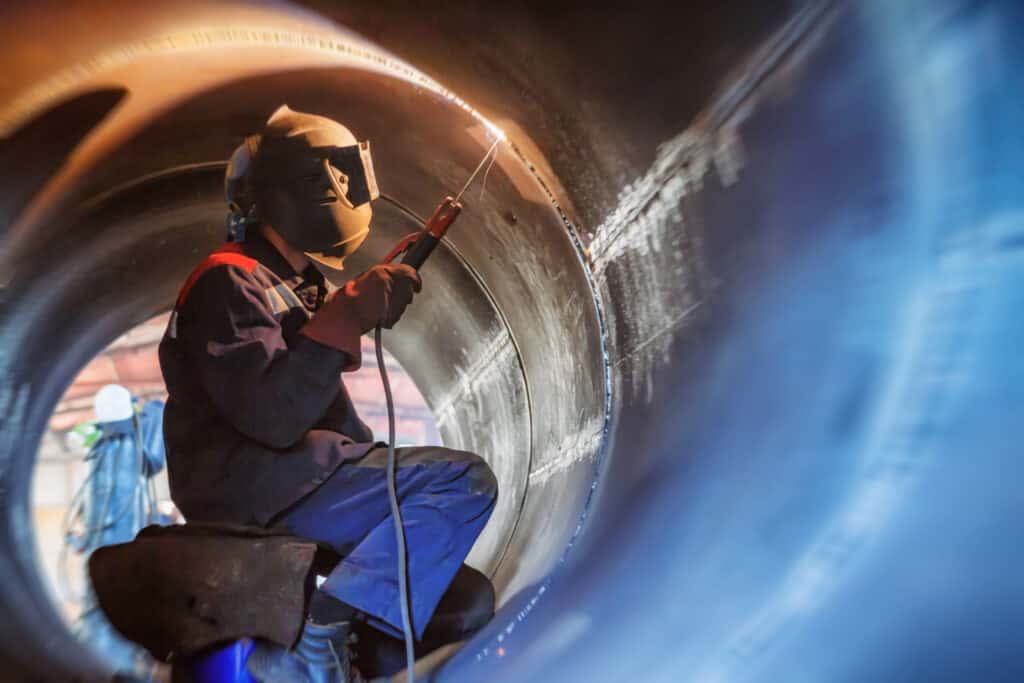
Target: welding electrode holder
(418, 246)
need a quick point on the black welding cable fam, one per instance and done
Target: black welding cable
(392, 467)
(396, 514)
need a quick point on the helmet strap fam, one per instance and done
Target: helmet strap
(238, 224)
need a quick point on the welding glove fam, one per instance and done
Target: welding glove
(377, 297)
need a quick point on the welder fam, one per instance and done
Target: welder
(260, 429)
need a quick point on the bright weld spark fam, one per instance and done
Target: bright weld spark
(346, 48)
(495, 131)
(465, 106)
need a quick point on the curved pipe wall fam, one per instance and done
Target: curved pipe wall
(777, 249)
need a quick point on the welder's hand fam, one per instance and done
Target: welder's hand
(377, 297)
(380, 295)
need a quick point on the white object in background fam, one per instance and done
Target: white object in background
(75, 441)
(113, 403)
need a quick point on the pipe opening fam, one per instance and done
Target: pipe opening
(75, 479)
(504, 296)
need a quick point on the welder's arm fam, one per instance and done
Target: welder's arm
(269, 391)
(377, 297)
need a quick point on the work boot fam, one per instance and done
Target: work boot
(322, 655)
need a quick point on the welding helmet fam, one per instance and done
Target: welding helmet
(313, 182)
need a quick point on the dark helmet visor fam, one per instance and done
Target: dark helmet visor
(356, 163)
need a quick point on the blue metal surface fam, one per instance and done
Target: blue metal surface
(821, 481)
(223, 665)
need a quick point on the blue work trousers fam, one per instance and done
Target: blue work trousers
(446, 498)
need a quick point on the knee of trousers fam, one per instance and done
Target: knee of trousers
(482, 481)
(479, 477)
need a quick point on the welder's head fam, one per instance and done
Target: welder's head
(313, 182)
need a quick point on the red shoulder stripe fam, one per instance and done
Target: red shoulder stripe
(230, 254)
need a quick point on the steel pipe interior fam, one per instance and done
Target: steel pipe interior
(733, 316)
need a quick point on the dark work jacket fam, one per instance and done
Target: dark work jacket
(257, 415)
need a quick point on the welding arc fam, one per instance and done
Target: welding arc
(420, 220)
(479, 167)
